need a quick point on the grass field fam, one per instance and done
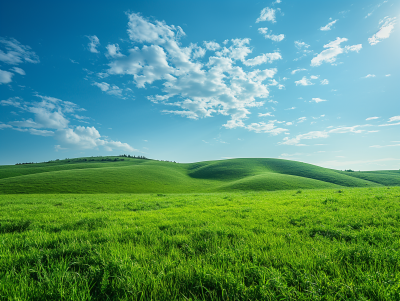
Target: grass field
(117, 228)
(96, 175)
(329, 244)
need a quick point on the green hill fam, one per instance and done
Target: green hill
(132, 175)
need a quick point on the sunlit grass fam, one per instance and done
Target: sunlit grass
(335, 244)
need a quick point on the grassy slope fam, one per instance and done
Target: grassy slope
(150, 176)
(286, 245)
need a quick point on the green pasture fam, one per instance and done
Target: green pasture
(320, 244)
(131, 175)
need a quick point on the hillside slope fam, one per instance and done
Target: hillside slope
(131, 175)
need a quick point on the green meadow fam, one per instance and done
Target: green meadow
(131, 175)
(243, 229)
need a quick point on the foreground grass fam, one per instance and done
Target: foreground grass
(288, 245)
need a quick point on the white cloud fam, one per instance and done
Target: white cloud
(382, 146)
(355, 48)
(387, 75)
(211, 45)
(369, 75)
(50, 119)
(302, 49)
(109, 89)
(13, 101)
(195, 89)
(265, 114)
(267, 14)
(300, 45)
(198, 52)
(394, 118)
(15, 53)
(18, 70)
(305, 81)
(5, 77)
(324, 82)
(94, 42)
(298, 70)
(103, 86)
(328, 26)
(273, 37)
(82, 137)
(375, 8)
(372, 118)
(332, 50)
(323, 134)
(263, 58)
(384, 32)
(301, 119)
(263, 127)
(113, 50)
(317, 100)
(307, 136)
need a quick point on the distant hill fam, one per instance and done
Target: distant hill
(133, 175)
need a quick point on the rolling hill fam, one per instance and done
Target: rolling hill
(132, 175)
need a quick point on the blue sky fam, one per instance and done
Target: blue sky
(313, 81)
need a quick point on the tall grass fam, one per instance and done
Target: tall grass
(335, 244)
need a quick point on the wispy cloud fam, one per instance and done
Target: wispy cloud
(384, 31)
(369, 75)
(375, 8)
(94, 42)
(13, 52)
(328, 26)
(332, 50)
(298, 70)
(372, 118)
(317, 100)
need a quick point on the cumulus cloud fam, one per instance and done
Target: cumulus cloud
(269, 35)
(113, 50)
(387, 26)
(324, 82)
(5, 77)
(328, 26)
(267, 14)
(196, 89)
(13, 52)
(332, 50)
(394, 118)
(87, 138)
(305, 81)
(50, 118)
(93, 43)
(211, 45)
